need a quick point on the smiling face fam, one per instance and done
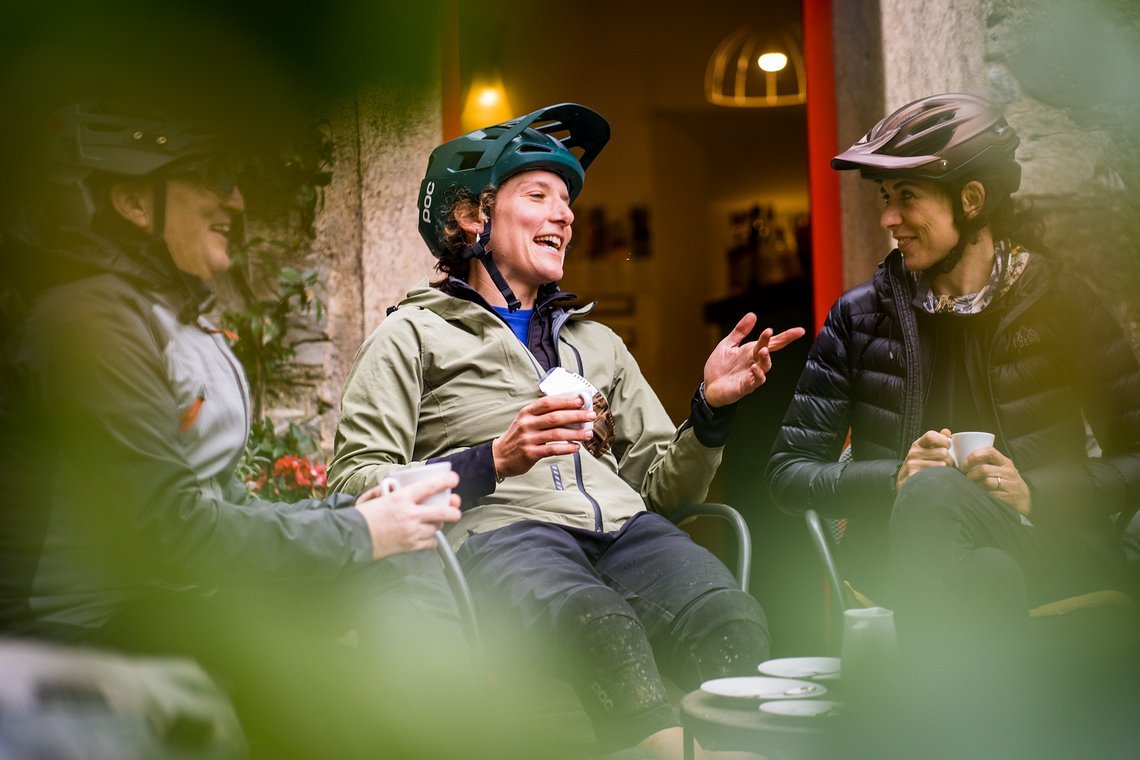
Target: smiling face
(198, 218)
(921, 218)
(530, 229)
(198, 223)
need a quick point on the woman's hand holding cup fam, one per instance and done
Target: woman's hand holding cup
(404, 512)
(996, 473)
(550, 426)
(932, 449)
(974, 454)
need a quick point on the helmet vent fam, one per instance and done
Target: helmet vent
(468, 160)
(534, 149)
(921, 144)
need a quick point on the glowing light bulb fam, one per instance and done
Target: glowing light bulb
(772, 61)
(488, 97)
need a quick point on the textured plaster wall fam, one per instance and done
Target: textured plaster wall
(398, 129)
(338, 245)
(367, 230)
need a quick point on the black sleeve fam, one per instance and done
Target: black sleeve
(1107, 386)
(804, 468)
(476, 469)
(710, 426)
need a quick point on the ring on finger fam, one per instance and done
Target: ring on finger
(998, 482)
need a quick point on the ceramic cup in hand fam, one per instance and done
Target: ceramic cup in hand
(404, 478)
(964, 444)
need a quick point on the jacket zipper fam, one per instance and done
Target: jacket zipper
(232, 362)
(912, 394)
(556, 329)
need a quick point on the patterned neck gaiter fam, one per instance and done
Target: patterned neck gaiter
(1009, 262)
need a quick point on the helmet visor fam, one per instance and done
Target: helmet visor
(217, 173)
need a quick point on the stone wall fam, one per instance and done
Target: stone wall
(366, 248)
(859, 103)
(367, 232)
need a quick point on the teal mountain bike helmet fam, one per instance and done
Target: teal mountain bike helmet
(545, 139)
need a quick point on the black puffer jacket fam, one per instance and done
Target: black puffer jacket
(1054, 354)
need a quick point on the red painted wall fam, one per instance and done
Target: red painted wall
(823, 181)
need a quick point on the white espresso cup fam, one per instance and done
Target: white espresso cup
(587, 404)
(562, 382)
(964, 444)
(404, 478)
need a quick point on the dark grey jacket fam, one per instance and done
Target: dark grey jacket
(1054, 359)
(125, 414)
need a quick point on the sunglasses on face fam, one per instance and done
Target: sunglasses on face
(218, 174)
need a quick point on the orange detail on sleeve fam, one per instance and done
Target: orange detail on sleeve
(190, 414)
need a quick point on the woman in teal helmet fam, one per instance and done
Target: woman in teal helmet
(562, 534)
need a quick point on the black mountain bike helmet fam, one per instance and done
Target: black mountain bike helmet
(83, 139)
(545, 139)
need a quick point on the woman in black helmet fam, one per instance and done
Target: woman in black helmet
(964, 328)
(570, 567)
(125, 414)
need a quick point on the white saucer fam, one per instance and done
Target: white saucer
(816, 668)
(762, 687)
(800, 708)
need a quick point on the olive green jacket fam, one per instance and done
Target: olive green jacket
(442, 374)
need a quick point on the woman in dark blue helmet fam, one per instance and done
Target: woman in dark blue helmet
(966, 326)
(562, 533)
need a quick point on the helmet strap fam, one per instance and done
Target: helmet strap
(967, 229)
(160, 208)
(479, 250)
(200, 297)
(951, 260)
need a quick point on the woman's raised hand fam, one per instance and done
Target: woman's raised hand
(734, 370)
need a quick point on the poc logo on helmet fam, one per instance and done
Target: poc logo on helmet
(427, 201)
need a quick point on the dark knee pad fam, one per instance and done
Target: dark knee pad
(723, 632)
(618, 681)
(588, 604)
(734, 649)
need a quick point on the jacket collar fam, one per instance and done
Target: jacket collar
(549, 295)
(71, 254)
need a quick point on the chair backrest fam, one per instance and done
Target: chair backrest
(821, 542)
(739, 528)
(463, 597)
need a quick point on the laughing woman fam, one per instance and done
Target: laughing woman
(563, 535)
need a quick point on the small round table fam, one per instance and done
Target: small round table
(737, 724)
